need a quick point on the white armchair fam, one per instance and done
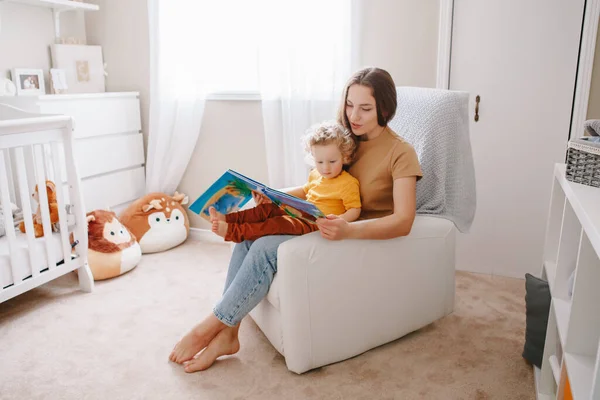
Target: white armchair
(331, 301)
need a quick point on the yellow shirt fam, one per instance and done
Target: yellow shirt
(332, 196)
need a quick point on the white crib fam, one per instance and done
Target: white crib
(34, 148)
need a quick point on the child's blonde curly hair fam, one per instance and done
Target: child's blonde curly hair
(329, 132)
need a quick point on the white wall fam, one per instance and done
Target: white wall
(26, 33)
(401, 37)
(121, 28)
(231, 137)
(398, 35)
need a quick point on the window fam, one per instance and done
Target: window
(224, 46)
(211, 43)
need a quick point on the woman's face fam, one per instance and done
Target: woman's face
(361, 110)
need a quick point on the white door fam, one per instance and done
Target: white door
(520, 57)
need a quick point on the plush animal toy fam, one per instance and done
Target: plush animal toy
(158, 220)
(112, 249)
(37, 217)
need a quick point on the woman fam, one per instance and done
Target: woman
(387, 169)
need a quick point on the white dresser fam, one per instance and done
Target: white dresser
(109, 149)
(573, 334)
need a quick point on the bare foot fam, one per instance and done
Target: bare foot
(224, 344)
(197, 339)
(220, 228)
(215, 215)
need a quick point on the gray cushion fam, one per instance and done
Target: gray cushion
(592, 126)
(537, 304)
(436, 123)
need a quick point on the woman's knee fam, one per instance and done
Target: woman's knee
(264, 251)
(243, 247)
(265, 243)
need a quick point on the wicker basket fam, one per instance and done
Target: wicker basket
(583, 163)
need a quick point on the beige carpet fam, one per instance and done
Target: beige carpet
(59, 343)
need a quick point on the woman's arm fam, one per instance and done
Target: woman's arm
(395, 225)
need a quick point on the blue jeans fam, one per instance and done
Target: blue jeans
(251, 270)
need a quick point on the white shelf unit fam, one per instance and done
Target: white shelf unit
(58, 7)
(573, 334)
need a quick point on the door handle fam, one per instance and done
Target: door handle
(477, 100)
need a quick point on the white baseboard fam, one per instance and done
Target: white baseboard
(204, 235)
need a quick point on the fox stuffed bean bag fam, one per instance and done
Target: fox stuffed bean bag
(52, 207)
(112, 249)
(158, 220)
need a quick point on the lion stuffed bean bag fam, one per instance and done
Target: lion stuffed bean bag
(158, 220)
(112, 249)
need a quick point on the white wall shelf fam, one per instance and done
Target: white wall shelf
(537, 377)
(562, 308)
(58, 7)
(581, 370)
(555, 365)
(550, 273)
(573, 334)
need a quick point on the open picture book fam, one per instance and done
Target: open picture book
(233, 190)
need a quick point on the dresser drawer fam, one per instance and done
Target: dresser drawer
(97, 116)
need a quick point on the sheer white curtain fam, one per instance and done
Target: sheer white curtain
(178, 88)
(297, 53)
(305, 59)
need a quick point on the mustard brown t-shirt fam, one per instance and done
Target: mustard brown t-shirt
(377, 164)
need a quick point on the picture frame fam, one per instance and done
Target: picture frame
(83, 66)
(29, 82)
(58, 81)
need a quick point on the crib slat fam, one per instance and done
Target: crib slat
(43, 203)
(62, 214)
(29, 168)
(8, 219)
(10, 177)
(76, 199)
(48, 163)
(34, 258)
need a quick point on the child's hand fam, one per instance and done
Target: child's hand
(260, 198)
(333, 227)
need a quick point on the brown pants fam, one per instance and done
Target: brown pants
(264, 220)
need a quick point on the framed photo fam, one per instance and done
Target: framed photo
(58, 80)
(29, 82)
(83, 66)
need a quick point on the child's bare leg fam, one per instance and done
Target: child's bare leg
(197, 339)
(215, 215)
(224, 344)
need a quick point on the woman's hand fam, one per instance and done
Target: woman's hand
(260, 198)
(334, 228)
